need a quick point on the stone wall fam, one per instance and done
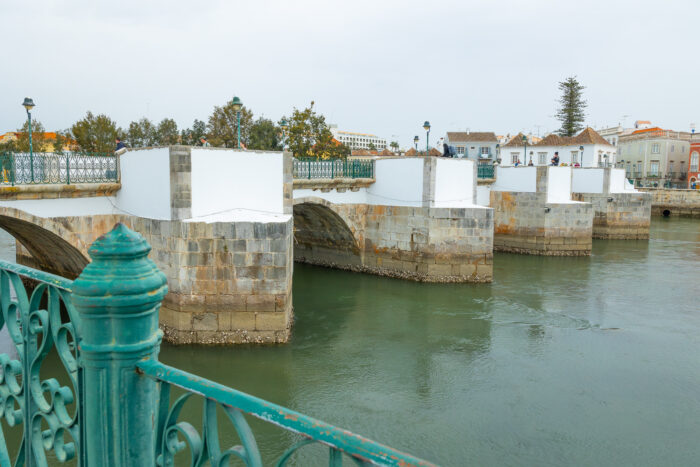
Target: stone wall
(619, 215)
(526, 223)
(417, 243)
(674, 202)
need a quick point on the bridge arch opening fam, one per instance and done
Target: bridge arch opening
(49, 251)
(321, 236)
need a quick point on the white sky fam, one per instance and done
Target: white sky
(381, 66)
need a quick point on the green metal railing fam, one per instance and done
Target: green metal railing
(18, 168)
(116, 408)
(485, 171)
(314, 169)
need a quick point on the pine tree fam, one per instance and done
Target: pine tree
(572, 107)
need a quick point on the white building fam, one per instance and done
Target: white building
(355, 140)
(588, 146)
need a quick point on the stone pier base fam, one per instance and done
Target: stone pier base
(525, 223)
(619, 215)
(417, 243)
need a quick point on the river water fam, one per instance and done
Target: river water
(560, 361)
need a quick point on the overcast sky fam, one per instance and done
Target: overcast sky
(381, 66)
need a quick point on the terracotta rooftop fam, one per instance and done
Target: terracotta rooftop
(411, 152)
(472, 136)
(589, 136)
(515, 141)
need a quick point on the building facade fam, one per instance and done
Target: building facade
(587, 149)
(655, 157)
(694, 162)
(355, 140)
(479, 146)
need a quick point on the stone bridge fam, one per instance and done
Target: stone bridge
(225, 227)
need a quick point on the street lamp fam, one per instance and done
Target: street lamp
(426, 127)
(237, 104)
(415, 142)
(525, 144)
(580, 148)
(29, 104)
(284, 125)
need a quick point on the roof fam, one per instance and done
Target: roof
(589, 136)
(411, 152)
(647, 130)
(472, 136)
(554, 140)
(434, 152)
(515, 141)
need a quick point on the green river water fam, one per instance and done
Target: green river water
(560, 361)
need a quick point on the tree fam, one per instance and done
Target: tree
(167, 134)
(371, 146)
(264, 135)
(394, 145)
(309, 136)
(572, 107)
(95, 133)
(142, 134)
(223, 126)
(192, 136)
(60, 141)
(39, 142)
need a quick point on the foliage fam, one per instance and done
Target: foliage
(309, 136)
(192, 136)
(141, 134)
(95, 133)
(394, 146)
(572, 107)
(62, 139)
(371, 146)
(166, 133)
(39, 142)
(223, 126)
(264, 135)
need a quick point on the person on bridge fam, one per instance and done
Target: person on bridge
(204, 142)
(121, 147)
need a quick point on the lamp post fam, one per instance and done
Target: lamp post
(580, 148)
(426, 127)
(498, 151)
(524, 138)
(415, 142)
(284, 125)
(29, 104)
(237, 104)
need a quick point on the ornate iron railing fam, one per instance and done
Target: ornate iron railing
(348, 168)
(485, 171)
(104, 328)
(49, 168)
(48, 411)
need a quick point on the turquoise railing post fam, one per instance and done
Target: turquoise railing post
(118, 296)
(67, 169)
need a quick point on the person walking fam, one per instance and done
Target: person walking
(121, 147)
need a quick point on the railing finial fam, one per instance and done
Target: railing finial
(118, 296)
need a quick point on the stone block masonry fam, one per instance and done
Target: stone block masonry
(525, 223)
(619, 215)
(674, 202)
(418, 243)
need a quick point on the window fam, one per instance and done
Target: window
(639, 167)
(514, 156)
(654, 169)
(673, 148)
(694, 161)
(460, 149)
(485, 150)
(574, 157)
(655, 148)
(541, 158)
(620, 150)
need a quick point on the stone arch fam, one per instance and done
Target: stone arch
(53, 247)
(322, 235)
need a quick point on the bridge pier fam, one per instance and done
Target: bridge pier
(534, 213)
(620, 211)
(417, 221)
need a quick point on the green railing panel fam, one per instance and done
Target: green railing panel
(115, 405)
(50, 412)
(340, 168)
(485, 171)
(19, 168)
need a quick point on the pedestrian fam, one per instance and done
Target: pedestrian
(121, 147)
(517, 162)
(555, 159)
(204, 142)
(530, 164)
